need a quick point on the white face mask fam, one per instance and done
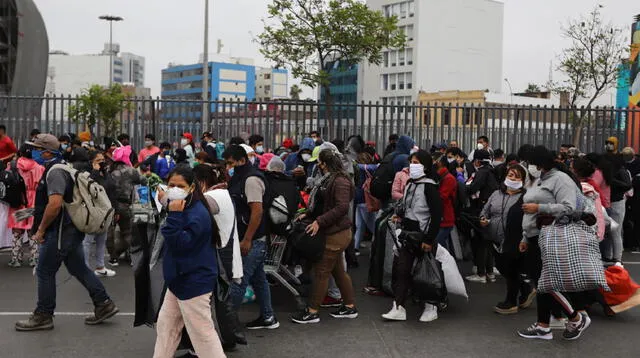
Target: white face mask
(252, 160)
(148, 143)
(512, 184)
(480, 146)
(416, 171)
(183, 142)
(534, 171)
(176, 193)
(306, 157)
(451, 160)
(260, 149)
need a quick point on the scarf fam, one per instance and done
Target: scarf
(317, 189)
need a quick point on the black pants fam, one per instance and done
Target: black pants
(482, 254)
(551, 303)
(512, 267)
(401, 275)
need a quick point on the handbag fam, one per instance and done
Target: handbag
(307, 246)
(428, 279)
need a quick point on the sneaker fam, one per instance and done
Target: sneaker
(305, 317)
(261, 323)
(357, 252)
(102, 312)
(114, 262)
(491, 277)
(15, 263)
(575, 329)
(36, 322)
(526, 302)
(331, 302)
(496, 272)
(536, 332)
(557, 323)
(505, 308)
(397, 313)
(33, 262)
(476, 278)
(105, 272)
(429, 314)
(345, 312)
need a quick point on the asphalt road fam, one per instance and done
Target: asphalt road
(466, 329)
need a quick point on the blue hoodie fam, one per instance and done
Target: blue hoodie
(403, 148)
(291, 162)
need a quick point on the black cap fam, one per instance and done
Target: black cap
(481, 155)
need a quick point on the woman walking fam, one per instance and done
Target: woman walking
(190, 270)
(329, 208)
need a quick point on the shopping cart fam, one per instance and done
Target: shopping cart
(273, 264)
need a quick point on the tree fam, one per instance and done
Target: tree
(532, 88)
(590, 64)
(100, 105)
(306, 35)
(295, 92)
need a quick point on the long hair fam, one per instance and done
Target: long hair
(332, 162)
(209, 174)
(188, 175)
(427, 161)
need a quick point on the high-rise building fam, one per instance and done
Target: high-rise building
(271, 83)
(451, 45)
(343, 85)
(133, 69)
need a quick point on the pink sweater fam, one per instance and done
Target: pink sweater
(399, 183)
(605, 189)
(31, 172)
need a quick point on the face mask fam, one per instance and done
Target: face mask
(36, 155)
(512, 184)
(260, 149)
(416, 171)
(534, 171)
(252, 160)
(167, 152)
(480, 146)
(306, 157)
(412, 151)
(609, 147)
(64, 146)
(451, 160)
(176, 193)
(102, 165)
(231, 171)
(183, 142)
(148, 143)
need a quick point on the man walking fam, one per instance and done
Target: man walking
(60, 242)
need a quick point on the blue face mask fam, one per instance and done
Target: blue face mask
(231, 171)
(64, 146)
(36, 155)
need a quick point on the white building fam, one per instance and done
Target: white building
(451, 45)
(271, 83)
(133, 69)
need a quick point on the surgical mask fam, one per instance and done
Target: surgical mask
(480, 146)
(306, 157)
(176, 193)
(609, 147)
(231, 171)
(183, 142)
(252, 160)
(167, 152)
(412, 151)
(259, 149)
(512, 184)
(64, 146)
(148, 143)
(416, 171)
(534, 171)
(451, 160)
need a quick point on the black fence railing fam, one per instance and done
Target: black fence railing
(507, 127)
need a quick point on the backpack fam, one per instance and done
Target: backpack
(373, 204)
(281, 203)
(13, 190)
(219, 147)
(90, 210)
(383, 177)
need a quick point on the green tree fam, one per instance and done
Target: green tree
(306, 35)
(99, 105)
(590, 64)
(532, 88)
(295, 92)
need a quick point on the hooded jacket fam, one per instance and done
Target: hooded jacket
(31, 172)
(403, 148)
(295, 159)
(615, 142)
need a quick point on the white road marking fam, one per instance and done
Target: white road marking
(63, 314)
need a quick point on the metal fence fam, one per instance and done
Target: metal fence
(507, 127)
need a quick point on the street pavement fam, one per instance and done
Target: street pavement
(466, 329)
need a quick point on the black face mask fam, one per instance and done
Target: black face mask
(103, 166)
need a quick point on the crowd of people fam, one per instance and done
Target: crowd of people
(219, 203)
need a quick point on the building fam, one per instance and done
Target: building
(451, 45)
(271, 84)
(343, 85)
(133, 69)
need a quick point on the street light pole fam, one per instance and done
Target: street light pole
(111, 19)
(205, 71)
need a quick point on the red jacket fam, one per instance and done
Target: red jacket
(448, 193)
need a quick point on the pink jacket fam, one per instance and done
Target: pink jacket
(605, 189)
(31, 172)
(399, 183)
(590, 192)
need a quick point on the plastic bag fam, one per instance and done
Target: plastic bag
(452, 277)
(428, 279)
(621, 284)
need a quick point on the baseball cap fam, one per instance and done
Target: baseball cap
(45, 141)
(187, 135)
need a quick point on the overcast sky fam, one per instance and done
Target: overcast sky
(172, 31)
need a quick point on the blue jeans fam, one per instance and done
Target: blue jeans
(72, 254)
(363, 219)
(253, 273)
(443, 237)
(101, 244)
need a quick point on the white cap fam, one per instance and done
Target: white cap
(247, 149)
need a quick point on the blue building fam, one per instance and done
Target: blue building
(183, 84)
(343, 76)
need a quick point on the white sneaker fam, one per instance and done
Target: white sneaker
(474, 270)
(430, 313)
(496, 272)
(476, 278)
(397, 313)
(557, 323)
(105, 272)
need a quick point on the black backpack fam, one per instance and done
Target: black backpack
(383, 177)
(281, 203)
(13, 190)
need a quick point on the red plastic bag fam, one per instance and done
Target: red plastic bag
(621, 284)
(305, 200)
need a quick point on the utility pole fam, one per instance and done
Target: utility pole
(111, 19)
(205, 71)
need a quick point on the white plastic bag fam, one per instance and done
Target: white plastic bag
(452, 278)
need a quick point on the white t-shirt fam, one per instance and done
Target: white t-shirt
(225, 218)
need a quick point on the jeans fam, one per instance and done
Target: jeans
(72, 255)
(363, 218)
(443, 237)
(253, 273)
(101, 242)
(617, 212)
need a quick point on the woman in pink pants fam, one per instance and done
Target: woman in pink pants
(190, 270)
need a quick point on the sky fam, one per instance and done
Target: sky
(167, 31)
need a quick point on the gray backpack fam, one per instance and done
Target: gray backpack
(90, 210)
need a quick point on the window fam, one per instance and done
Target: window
(466, 116)
(392, 58)
(408, 31)
(446, 117)
(396, 10)
(401, 81)
(401, 58)
(392, 81)
(409, 80)
(267, 76)
(387, 10)
(478, 116)
(267, 88)
(426, 117)
(385, 58)
(403, 10)
(409, 56)
(412, 8)
(385, 82)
